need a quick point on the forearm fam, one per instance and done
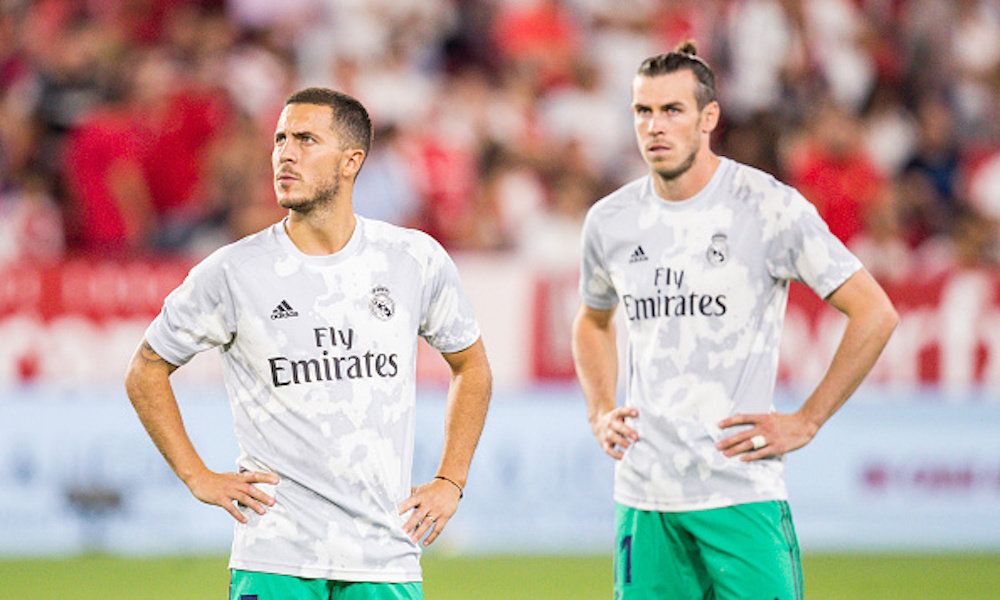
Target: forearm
(152, 396)
(468, 401)
(596, 359)
(862, 343)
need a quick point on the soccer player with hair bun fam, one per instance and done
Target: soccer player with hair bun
(699, 254)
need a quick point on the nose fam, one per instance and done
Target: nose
(655, 125)
(286, 153)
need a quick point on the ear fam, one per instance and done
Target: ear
(351, 161)
(710, 117)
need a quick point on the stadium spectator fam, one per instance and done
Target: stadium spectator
(236, 194)
(889, 130)
(550, 239)
(584, 115)
(112, 208)
(541, 36)
(68, 85)
(31, 228)
(385, 189)
(970, 242)
(833, 172)
(764, 40)
(177, 123)
(882, 246)
(510, 199)
(975, 61)
(931, 175)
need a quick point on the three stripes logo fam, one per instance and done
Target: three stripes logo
(284, 311)
(638, 255)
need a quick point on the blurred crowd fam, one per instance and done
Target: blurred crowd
(144, 126)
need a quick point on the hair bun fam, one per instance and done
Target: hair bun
(687, 47)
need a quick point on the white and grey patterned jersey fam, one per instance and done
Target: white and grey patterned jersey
(703, 284)
(319, 359)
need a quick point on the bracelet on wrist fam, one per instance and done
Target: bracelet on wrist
(461, 492)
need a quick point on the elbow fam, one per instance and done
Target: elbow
(138, 378)
(888, 318)
(133, 381)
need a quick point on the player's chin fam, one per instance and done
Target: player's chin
(658, 161)
(291, 202)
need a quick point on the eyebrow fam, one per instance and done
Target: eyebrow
(674, 104)
(296, 134)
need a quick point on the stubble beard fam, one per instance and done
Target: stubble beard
(323, 197)
(672, 174)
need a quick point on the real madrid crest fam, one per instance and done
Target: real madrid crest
(718, 250)
(382, 304)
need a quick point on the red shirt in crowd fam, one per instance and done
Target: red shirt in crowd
(177, 141)
(100, 152)
(843, 188)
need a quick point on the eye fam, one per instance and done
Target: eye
(279, 138)
(642, 110)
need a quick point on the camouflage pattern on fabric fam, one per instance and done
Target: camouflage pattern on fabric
(319, 358)
(703, 285)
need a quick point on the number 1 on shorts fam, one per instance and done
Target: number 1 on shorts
(627, 548)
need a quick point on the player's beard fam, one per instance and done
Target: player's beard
(323, 197)
(672, 174)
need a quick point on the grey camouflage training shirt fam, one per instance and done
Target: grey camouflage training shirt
(703, 285)
(319, 359)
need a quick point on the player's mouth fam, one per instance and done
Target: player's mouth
(286, 177)
(658, 148)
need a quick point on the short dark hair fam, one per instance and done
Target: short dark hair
(685, 56)
(350, 119)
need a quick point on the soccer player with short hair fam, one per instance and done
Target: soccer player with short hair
(699, 254)
(317, 319)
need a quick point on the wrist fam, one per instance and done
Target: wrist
(810, 421)
(190, 475)
(454, 482)
(594, 416)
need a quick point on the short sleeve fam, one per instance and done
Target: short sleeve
(196, 316)
(801, 247)
(447, 322)
(596, 287)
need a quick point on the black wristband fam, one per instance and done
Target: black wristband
(461, 492)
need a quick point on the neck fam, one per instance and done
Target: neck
(691, 181)
(326, 229)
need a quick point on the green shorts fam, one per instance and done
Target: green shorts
(745, 552)
(253, 585)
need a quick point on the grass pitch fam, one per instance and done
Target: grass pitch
(828, 577)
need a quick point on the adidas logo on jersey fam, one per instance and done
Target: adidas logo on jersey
(638, 255)
(284, 311)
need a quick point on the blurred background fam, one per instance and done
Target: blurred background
(135, 139)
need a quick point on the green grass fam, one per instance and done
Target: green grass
(828, 577)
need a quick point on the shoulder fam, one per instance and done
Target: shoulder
(625, 197)
(239, 252)
(778, 209)
(403, 242)
(750, 183)
(615, 204)
(763, 191)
